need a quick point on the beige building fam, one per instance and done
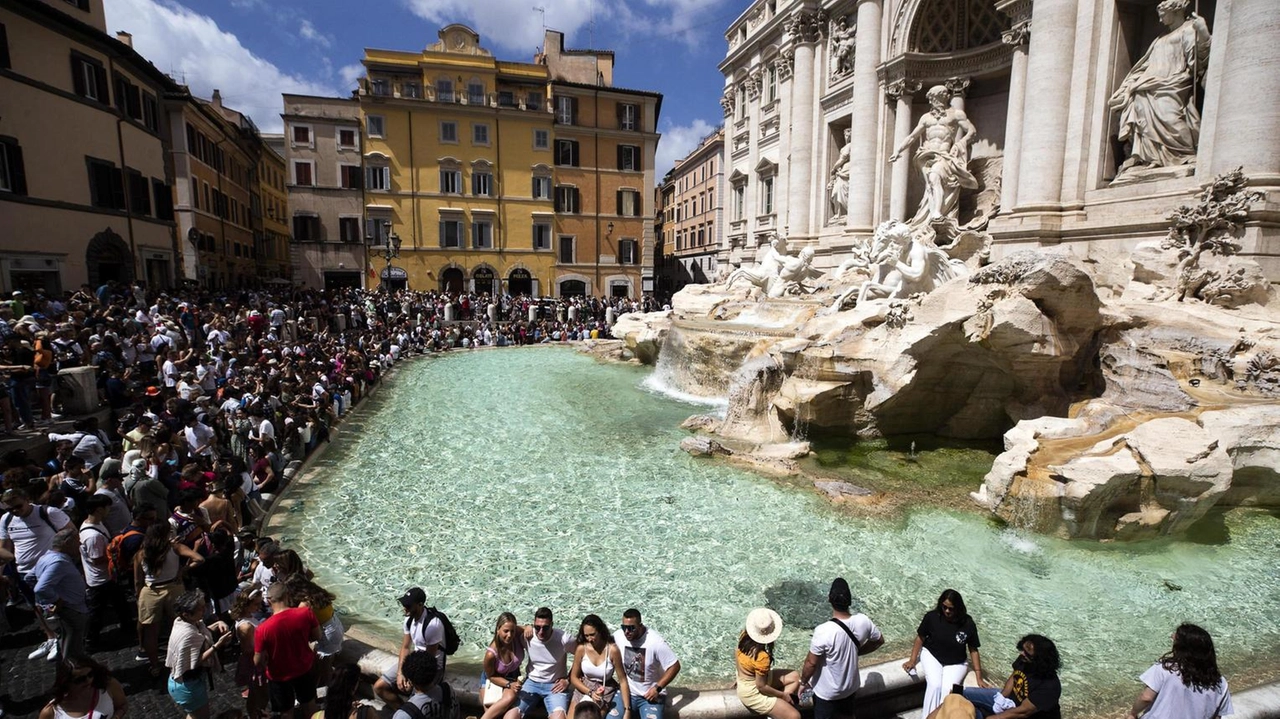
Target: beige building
(693, 213)
(215, 161)
(85, 195)
(324, 175)
(271, 207)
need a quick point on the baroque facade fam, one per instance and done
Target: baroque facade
(830, 128)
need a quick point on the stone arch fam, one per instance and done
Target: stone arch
(485, 279)
(946, 26)
(108, 258)
(572, 283)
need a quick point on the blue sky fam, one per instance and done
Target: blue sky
(253, 50)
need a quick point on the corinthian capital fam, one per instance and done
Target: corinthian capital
(807, 25)
(1018, 35)
(753, 84)
(727, 101)
(786, 64)
(899, 89)
(959, 86)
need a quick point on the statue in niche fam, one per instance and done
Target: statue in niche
(1156, 100)
(902, 264)
(838, 186)
(942, 158)
(842, 44)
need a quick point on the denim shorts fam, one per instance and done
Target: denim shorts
(531, 691)
(190, 696)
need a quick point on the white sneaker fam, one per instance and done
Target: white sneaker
(42, 650)
(53, 651)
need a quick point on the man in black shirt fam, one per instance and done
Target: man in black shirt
(1032, 691)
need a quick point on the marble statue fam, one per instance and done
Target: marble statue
(842, 44)
(1158, 116)
(838, 186)
(903, 265)
(777, 273)
(942, 158)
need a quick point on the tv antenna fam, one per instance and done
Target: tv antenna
(543, 11)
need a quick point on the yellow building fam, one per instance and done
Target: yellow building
(272, 206)
(458, 165)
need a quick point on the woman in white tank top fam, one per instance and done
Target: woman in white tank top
(596, 675)
(84, 689)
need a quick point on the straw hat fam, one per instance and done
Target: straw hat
(764, 625)
(955, 706)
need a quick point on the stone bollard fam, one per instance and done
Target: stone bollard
(292, 328)
(573, 314)
(340, 322)
(492, 311)
(533, 313)
(609, 316)
(78, 390)
(450, 313)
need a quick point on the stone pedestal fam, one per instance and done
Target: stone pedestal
(78, 391)
(450, 312)
(492, 311)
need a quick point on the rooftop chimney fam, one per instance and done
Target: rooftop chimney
(217, 98)
(125, 37)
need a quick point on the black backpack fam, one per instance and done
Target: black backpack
(446, 704)
(451, 640)
(43, 512)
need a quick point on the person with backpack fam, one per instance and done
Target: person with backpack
(103, 591)
(432, 698)
(26, 534)
(831, 667)
(425, 630)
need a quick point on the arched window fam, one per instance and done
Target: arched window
(943, 26)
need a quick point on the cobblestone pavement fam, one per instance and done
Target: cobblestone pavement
(25, 683)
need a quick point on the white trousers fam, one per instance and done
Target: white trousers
(938, 680)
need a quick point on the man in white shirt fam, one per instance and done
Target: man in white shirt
(831, 668)
(102, 591)
(200, 437)
(546, 677)
(26, 534)
(650, 665)
(423, 632)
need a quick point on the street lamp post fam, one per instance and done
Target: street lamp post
(389, 253)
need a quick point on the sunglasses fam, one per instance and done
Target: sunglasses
(82, 678)
(628, 628)
(542, 628)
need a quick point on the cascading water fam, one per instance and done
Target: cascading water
(671, 368)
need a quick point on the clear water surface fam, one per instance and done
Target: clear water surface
(507, 480)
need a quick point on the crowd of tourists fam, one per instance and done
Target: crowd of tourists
(147, 522)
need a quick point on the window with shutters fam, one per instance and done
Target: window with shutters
(566, 110)
(346, 138)
(106, 185)
(349, 177)
(533, 101)
(451, 181)
(349, 229)
(376, 125)
(89, 78)
(306, 228)
(303, 173)
(302, 135)
(444, 90)
(13, 175)
(628, 116)
(629, 158)
(475, 93)
(627, 254)
(480, 134)
(139, 192)
(411, 90)
(378, 178)
(128, 97)
(541, 235)
(449, 132)
(380, 87)
(481, 184)
(566, 251)
(150, 112)
(541, 139)
(629, 203)
(482, 234)
(163, 195)
(451, 233)
(541, 188)
(567, 200)
(377, 230)
(567, 153)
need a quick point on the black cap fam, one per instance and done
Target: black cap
(839, 595)
(414, 596)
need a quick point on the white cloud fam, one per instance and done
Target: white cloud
(309, 32)
(351, 73)
(192, 48)
(677, 142)
(512, 25)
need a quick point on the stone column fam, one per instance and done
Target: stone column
(864, 142)
(899, 92)
(1044, 122)
(1248, 122)
(1017, 36)
(805, 28)
(959, 87)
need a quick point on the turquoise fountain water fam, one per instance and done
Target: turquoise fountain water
(508, 480)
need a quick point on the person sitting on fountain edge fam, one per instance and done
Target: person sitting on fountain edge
(1032, 691)
(650, 664)
(423, 633)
